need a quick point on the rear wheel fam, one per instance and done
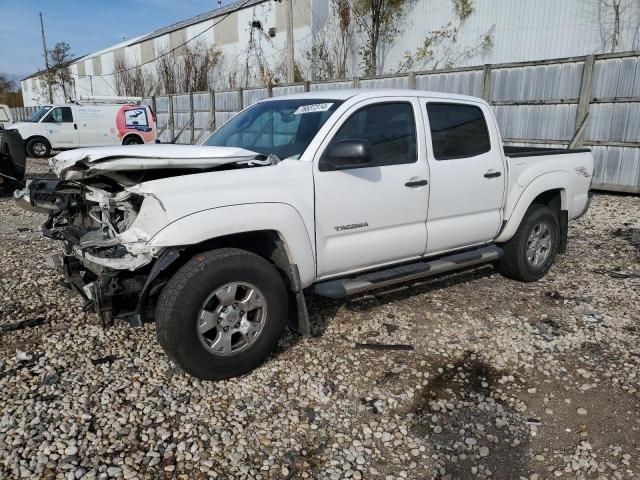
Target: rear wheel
(222, 313)
(528, 256)
(38, 147)
(132, 140)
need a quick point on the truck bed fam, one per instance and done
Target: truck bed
(515, 152)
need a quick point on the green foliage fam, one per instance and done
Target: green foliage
(378, 21)
(463, 8)
(440, 48)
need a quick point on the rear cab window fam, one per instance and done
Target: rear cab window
(457, 130)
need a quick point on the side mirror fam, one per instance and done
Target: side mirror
(347, 154)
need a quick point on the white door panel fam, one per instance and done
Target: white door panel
(61, 129)
(368, 216)
(465, 206)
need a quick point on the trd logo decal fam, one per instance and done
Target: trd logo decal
(340, 228)
(582, 171)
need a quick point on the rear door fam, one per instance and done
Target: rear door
(467, 172)
(373, 215)
(61, 129)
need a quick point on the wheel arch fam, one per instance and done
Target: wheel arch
(275, 231)
(130, 135)
(549, 189)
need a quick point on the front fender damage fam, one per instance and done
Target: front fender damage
(105, 256)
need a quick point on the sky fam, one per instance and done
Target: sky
(87, 25)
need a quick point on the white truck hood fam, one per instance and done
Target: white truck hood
(84, 162)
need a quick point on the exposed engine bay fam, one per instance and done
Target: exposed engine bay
(92, 209)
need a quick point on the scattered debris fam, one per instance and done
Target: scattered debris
(31, 322)
(108, 359)
(384, 346)
(617, 274)
(391, 328)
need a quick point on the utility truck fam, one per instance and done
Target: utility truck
(90, 122)
(335, 192)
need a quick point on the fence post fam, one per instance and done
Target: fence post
(356, 82)
(411, 80)
(584, 100)
(307, 86)
(486, 82)
(240, 100)
(171, 122)
(192, 115)
(269, 90)
(212, 110)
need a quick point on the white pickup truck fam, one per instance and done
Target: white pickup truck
(338, 192)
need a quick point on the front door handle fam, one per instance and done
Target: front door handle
(416, 183)
(75, 126)
(491, 174)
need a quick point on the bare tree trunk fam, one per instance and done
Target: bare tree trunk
(615, 41)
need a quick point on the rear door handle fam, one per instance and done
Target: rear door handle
(491, 174)
(75, 126)
(416, 183)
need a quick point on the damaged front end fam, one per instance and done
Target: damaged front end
(100, 211)
(105, 258)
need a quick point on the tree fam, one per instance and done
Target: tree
(6, 85)
(332, 46)
(187, 70)
(130, 81)
(441, 47)
(59, 75)
(618, 22)
(9, 93)
(377, 20)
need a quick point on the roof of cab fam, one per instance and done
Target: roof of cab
(365, 93)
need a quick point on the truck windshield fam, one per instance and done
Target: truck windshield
(280, 127)
(38, 114)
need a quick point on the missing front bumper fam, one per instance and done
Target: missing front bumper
(115, 294)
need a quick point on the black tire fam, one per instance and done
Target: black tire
(38, 147)
(515, 263)
(12, 161)
(132, 140)
(185, 294)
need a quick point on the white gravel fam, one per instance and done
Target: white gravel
(507, 380)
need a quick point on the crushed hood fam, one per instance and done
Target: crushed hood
(85, 162)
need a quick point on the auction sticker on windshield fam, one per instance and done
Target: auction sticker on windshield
(316, 107)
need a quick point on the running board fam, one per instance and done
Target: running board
(344, 287)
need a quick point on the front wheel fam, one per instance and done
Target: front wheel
(528, 256)
(38, 147)
(222, 313)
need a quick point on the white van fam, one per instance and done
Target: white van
(5, 117)
(86, 124)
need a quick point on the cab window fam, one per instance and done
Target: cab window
(60, 115)
(390, 129)
(457, 130)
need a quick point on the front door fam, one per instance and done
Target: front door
(373, 215)
(468, 175)
(62, 131)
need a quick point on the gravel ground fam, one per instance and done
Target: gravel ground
(507, 380)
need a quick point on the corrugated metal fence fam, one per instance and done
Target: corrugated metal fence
(20, 114)
(592, 100)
